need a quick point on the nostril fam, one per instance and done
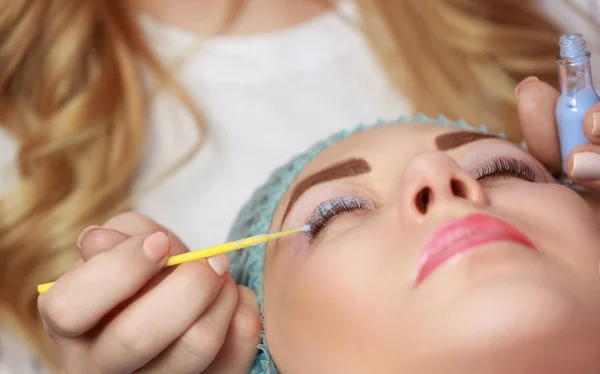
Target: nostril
(459, 189)
(423, 199)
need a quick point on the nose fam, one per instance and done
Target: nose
(431, 179)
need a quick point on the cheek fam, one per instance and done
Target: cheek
(557, 219)
(347, 290)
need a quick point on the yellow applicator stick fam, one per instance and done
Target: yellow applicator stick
(212, 251)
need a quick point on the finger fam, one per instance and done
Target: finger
(152, 322)
(80, 298)
(50, 332)
(199, 345)
(583, 166)
(241, 343)
(591, 124)
(593, 200)
(536, 102)
(132, 223)
(94, 240)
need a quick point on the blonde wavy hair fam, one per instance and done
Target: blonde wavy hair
(72, 96)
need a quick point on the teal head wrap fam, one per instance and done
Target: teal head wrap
(256, 217)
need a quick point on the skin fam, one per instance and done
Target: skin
(247, 17)
(147, 320)
(536, 101)
(225, 342)
(347, 303)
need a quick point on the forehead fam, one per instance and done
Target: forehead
(381, 142)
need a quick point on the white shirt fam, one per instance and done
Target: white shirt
(266, 97)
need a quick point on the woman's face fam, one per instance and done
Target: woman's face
(432, 250)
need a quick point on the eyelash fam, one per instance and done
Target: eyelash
(497, 168)
(505, 167)
(331, 209)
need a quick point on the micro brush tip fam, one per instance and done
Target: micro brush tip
(306, 228)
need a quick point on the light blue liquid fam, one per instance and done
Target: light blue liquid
(570, 111)
(577, 93)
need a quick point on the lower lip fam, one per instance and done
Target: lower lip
(463, 235)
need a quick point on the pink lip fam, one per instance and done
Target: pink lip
(462, 235)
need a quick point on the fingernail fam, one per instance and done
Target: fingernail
(85, 233)
(596, 123)
(156, 246)
(524, 82)
(586, 165)
(219, 263)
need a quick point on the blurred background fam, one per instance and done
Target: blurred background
(180, 109)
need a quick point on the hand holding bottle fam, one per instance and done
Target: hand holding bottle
(536, 103)
(562, 129)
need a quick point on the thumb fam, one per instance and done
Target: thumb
(536, 103)
(95, 239)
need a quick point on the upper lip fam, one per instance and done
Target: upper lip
(463, 234)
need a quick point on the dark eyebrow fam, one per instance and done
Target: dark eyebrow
(348, 168)
(455, 139)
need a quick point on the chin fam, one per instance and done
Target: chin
(525, 326)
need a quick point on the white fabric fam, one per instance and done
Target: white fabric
(16, 360)
(266, 97)
(8, 155)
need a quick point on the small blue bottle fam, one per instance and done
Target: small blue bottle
(577, 93)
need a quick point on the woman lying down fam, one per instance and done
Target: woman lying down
(433, 248)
